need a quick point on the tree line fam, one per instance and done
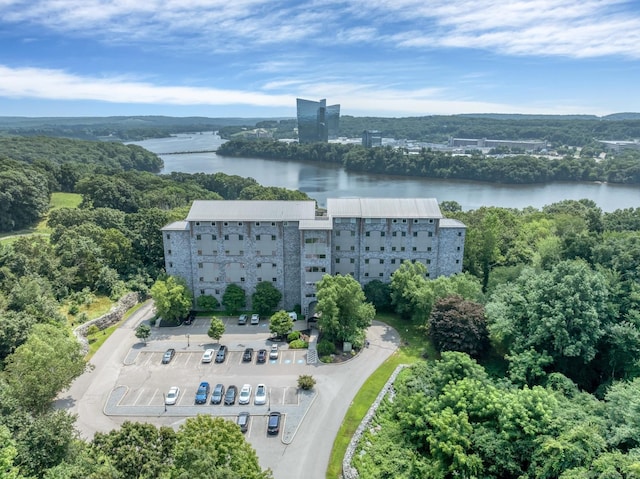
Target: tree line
(516, 169)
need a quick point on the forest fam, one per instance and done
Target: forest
(537, 344)
(516, 169)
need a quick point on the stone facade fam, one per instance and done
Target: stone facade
(249, 242)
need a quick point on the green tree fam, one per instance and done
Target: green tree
(409, 294)
(8, 453)
(24, 197)
(207, 302)
(172, 298)
(266, 298)
(216, 329)
(378, 294)
(344, 314)
(136, 449)
(280, 323)
(143, 331)
(234, 299)
(44, 365)
(208, 447)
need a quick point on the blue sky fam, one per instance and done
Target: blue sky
(253, 58)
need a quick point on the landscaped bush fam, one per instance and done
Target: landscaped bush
(293, 336)
(326, 348)
(306, 382)
(298, 344)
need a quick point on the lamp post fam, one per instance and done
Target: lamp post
(188, 341)
(164, 401)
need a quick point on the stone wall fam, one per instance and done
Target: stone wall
(348, 471)
(116, 313)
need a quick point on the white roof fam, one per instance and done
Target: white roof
(451, 223)
(317, 224)
(222, 210)
(383, 208)
(176, 226)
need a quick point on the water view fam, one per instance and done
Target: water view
(329, 181)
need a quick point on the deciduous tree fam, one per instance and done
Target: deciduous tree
(280, 323)
(216, 329)
(172, 298)
(234, 299)
(266, 298)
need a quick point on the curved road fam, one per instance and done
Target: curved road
(306, 456)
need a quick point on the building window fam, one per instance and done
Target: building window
(381, 274)
(381, 248)
(337, 247)
(353, 233)
(201, 278)
(458, 249)
(257, 237)
(403, 234)
(239, 223)
(457, 261)
(414, 249)
(381, 234)
(366, 261)
(353, 248)
(430, 234)
(393, 261)
(169, 236)
(402, 248)
(273, 237)
(381, 261)
(259, 265)
(415, 234)
(274, 280)
(352, 260)
(415, 222)
(367, 234)
(428, 261)
(169, 251)
(226, 223)
(201, 292)
(199, 252)
(337, 260)
(404, 221)
(285, 223)
(200, 266)
(170, 264)
(366, 248)
(242, 279)
(366, 274)
(459, 233)
(197, 223)
(257, 223)
(273, 223)
(394, 220)
(393, 248)
(213, 223)
(214, 237)
(226, 237)
(273, 265)
(217, 291)
(259, 279)
(431, 220)
(198, 237)
(240, 237)
(310, 240)
(428, 248)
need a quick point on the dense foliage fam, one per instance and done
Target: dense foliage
(519, 169)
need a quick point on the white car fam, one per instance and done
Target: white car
(260, 397)
(245, 394)
(207, 357)
(273, 354)
(255, 319)
(172, 396)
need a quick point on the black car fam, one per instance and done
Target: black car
(243, 421)
(222, 354)
(217, 394)
(262, 356)
(168, 356)
(273, 426)
(230, 397)
(247, 356)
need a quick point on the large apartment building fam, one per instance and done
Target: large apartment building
(292, 246)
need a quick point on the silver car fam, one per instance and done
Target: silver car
(172, 396)
(260, 397)
(245, 395)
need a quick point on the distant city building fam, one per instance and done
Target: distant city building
(485, 143)
(371, 138)
(288, 244)
(618, 146)
(317, 121)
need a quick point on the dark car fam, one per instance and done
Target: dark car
(262, 356)
(247, 356)
(243, 421)
(273, 426)
(230, 397)
(202, 393)
(168, 356)
(217, 394)
(222, 354)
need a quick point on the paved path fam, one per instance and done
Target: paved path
(309, 430)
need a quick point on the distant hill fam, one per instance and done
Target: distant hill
(520, 116)
(622, 116)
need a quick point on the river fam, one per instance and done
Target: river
(330, 181)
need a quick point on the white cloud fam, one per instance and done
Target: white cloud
(355, 98)
(574, 28)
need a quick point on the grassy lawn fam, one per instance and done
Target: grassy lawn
(98, 339)
(414, 346)
(58, 200)
(99, 306)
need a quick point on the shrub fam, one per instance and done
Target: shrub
(293, 336)
(306, 382)
(74, 309)
(326, 348)
(93, 329)
(298, 344)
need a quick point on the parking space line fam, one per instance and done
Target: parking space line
(153, 396)
(135, 402)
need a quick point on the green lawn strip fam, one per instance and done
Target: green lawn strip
(96, 340)
(414, 346)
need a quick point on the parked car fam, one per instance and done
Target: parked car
(168, 356)
(262, 356)
(202, 393)
(172, 396)
(230, 396)
(222, 354)
(255, 319)
(273, 426)
(273, 354)
(207, 357)
(243, 421)
(247, 356)
(245, 394)
(260, 397)
(218, 394)
(293, 315)
(242, 319)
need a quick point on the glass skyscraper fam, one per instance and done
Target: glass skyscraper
(317, 121)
